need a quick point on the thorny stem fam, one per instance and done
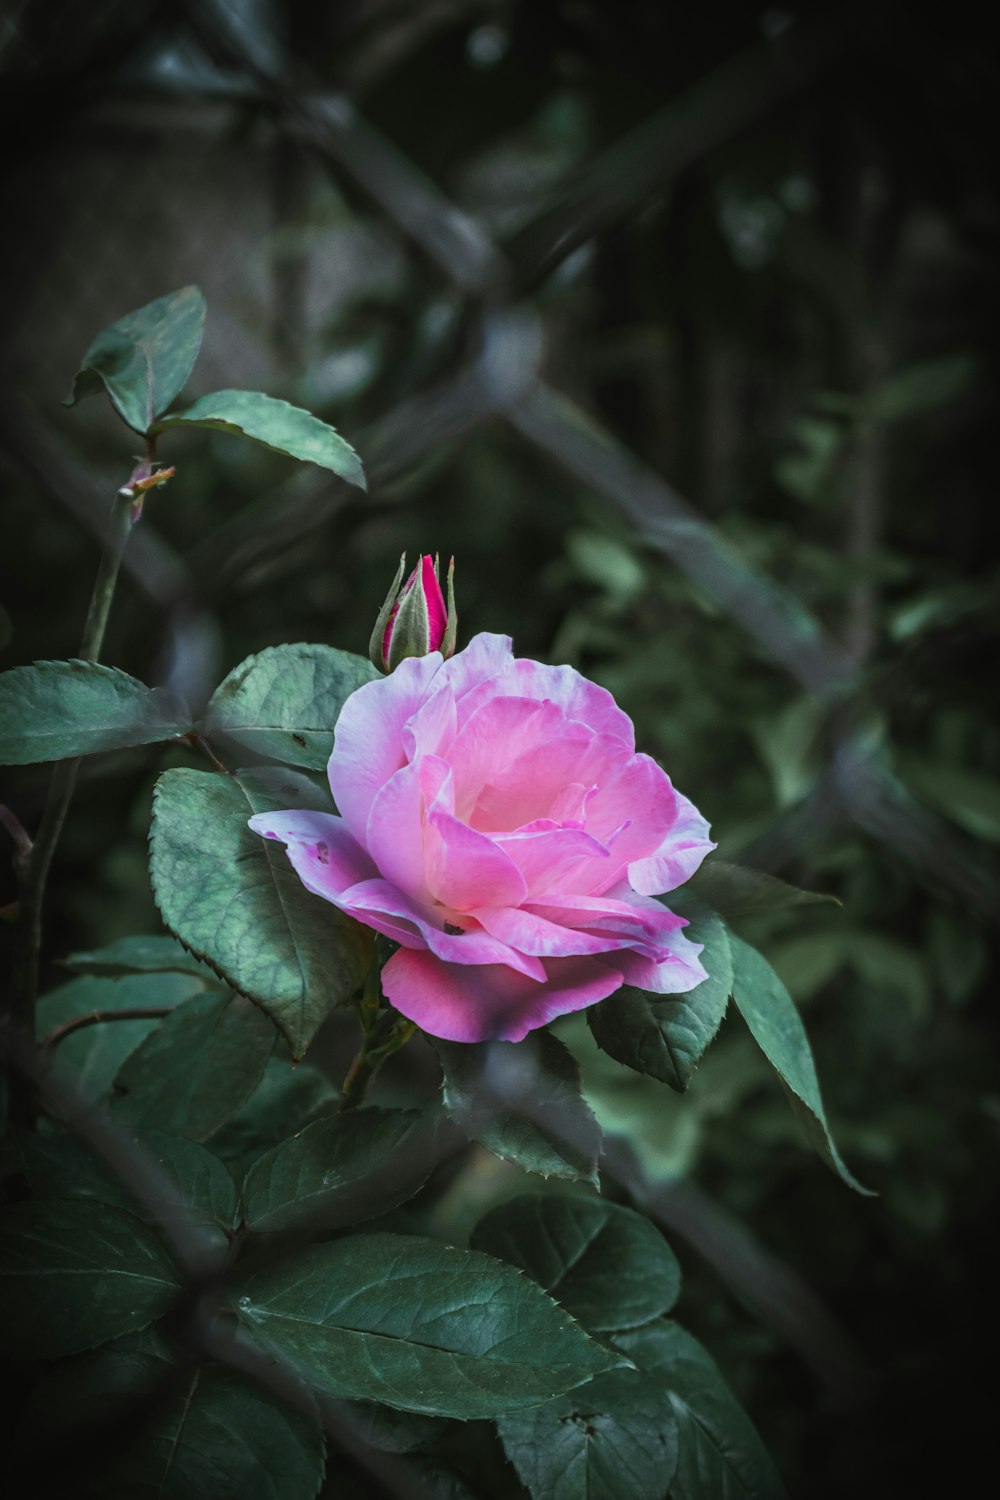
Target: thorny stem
(385, 1031)
(36, 865)
(98, 1017)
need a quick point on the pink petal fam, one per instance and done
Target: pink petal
(647, 923)
(577, 696)
(528, 932)
(465, 869)
(482, 659)
(532, 784)
(679, 972)
(679, 855)
(368, 740)
(432, 728)
(464, 1004)
(382, 906)
(500, 732)
(632, 809)
(395, 833)
(552, 858)
(324, 855)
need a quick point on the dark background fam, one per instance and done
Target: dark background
(678, 327)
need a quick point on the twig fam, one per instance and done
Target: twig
(98, 1017)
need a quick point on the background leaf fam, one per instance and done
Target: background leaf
(211, 1433)
(608, 1267)
(665, 1036)
(770, 1013)
(721, 1456)
(73, 1274)
(418, 1325)
(234, 899)
(286, 1099)
(737, 891)
(197, 1068)
(287, 429)
(95, 1053)
(522, 1101)
(154, 954)
(338, 1171)
(614, 1439)
(285, 701)
(144, 359)
(55, 710)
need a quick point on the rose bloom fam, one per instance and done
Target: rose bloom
(497, 823)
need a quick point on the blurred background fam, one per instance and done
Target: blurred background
(678, 326)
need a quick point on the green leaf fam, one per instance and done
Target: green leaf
(74, 1274)
(275, 424)
(285, 701)
(418, 1325)
(776, 1026)
(55, 710)
(155, 954)
(608, 1267)
(144, 360)
(665, 1036)
(389, 1430)
(197, 1068)
(735, 891)
(338, 1171)
(95, 1053)
(920, 387)
(61, 1166)
(522, 1101)
(285, 1099)
(205, 1433)
(616, 1439)
(721, 1457)
(234, 899)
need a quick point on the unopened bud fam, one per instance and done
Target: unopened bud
(414, 619)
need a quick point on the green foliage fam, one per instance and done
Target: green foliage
(666, 1036)
(284, 1101)
(522, 1101)
(197, 1068)
(153, 954)
(720, 1456)
(417, 1325)
(94, 1054)
(77, 1273)
(144, 359)
(735, 891)
(274, 424)
(616, 1439)
(284, 702)
(55, 710)
(770, 1013)
(608, 1267)
(235, 901)
(213, 1432)
(338, 1171)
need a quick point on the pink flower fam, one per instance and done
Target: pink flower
(497, 823)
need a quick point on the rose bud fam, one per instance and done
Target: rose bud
(414, 620)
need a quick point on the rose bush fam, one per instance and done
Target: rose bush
(497, 823)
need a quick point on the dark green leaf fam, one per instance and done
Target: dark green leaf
(275, 424)
(145, 358)
(155, 954)
(390, 1430)
(205, 1434)
(920, 387)
(197, 1068)
(61, 1166)
(285, 1100)
(74, 1274)
(666, 1036)
(736, 891)
(721, 1456)
(55, 710)
(522, 1101)
(418, 1325)
(615, 1439)
(234, 899)
(607, 1266)
(339, 1171)
(285, 701)
(95, 1053)
(770, 1013)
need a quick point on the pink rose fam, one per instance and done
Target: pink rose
(497, 823)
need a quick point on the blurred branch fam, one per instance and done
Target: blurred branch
(646, 160)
